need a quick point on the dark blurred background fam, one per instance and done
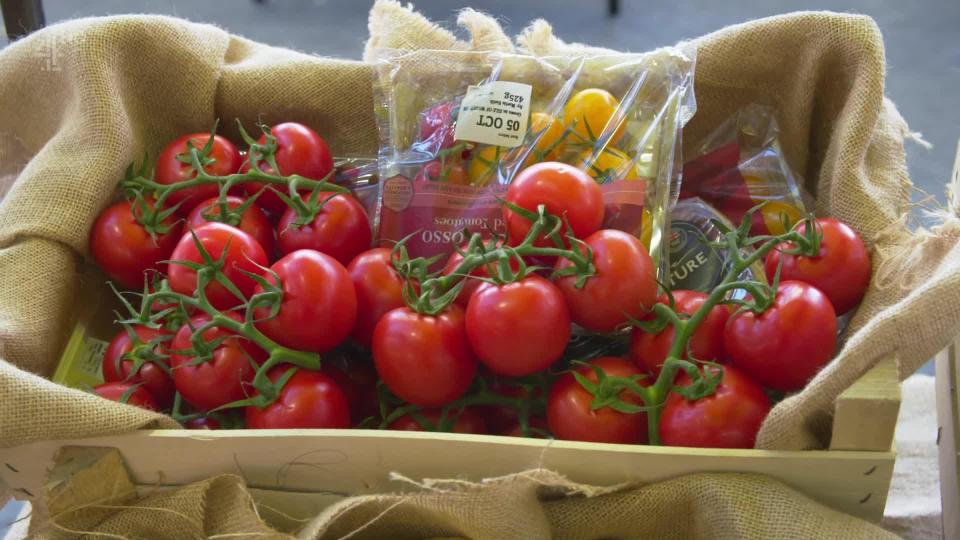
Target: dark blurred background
(922, 39)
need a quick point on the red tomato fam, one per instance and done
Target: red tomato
(151, 376)
(124, 392)
(502, 418)
(301, 151)
(519, 328)
(319, 304)
(358, 381)
(564, 189)
(379, 289)
(437, 125)
(623, 287)
(649, 351)
(569, 412)
(424, 359)
(223, 378)
(310, 399)
(243, 253)
(469, 421)
(841, 270)
(253, 221)
(471, 284)
(785, 346)
(452, 172)
(124, 249)
(170, 170)
(340, 230)
(730, 418)
(204, 422)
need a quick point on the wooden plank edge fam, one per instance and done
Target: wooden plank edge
(948, 418)
(865, 415)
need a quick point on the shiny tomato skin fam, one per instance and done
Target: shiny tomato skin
(565, 191)
(841, 270)
(649, 351)
(139, 397)
(451, 172)
(253, 221)
(170, 170)
(319, 303)
(301, 151)
(519, 328)
(308, 400)
(569, 413)
(222, 379)
(623, 286)
(341, 229)
(151, 376)
(469, 421)
(243, 253)
(785, 346)
(730, 418)
(379, 289)
(437, 125)
(424, 359)
(124, 249)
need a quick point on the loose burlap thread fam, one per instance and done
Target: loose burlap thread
(84, 98)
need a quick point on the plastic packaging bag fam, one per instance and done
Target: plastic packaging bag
(740, 165)
(456, 127)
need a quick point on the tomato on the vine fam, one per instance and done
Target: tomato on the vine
(173, 167)
(538, 429)
(300, 151)
(124, 249)
(308, 400)
(567, 192)
(786, 345)
(451, 172)
(240, 253)
(649, 351)
(437, 125)
(551, 144)
(341, 229)
(207, 383)
(571, 416)
(124, 392)
(253, 221)
(319, 304)
(589, 111)
(730, 418)
(501, 418)
(424, 359)
(476, 278)
(622, 288)
(379, 289)
(468, 421)
(152, 375)
(518, 328)
(841, 270)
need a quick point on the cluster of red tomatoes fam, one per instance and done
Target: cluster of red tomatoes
(346, 302)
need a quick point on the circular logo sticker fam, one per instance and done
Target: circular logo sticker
(397, 193)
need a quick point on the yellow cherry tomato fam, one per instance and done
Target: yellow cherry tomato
(484, 164)
(550, 146)
(611, 164)
(778, 215)
(588, 111)
(646, 229)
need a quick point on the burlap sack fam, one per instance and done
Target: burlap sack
(84, 98)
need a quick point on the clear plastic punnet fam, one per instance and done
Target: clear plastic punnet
(457, 127)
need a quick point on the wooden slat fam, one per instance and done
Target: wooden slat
(348, 462)
(865, 417)
(948, 415)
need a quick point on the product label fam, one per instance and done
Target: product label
(694, 264)
(440, 216)
(494, 113)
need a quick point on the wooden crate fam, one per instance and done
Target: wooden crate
(301, 471)
(948, 416)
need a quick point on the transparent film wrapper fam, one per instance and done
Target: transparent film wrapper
(456, 128)
(740, 165)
